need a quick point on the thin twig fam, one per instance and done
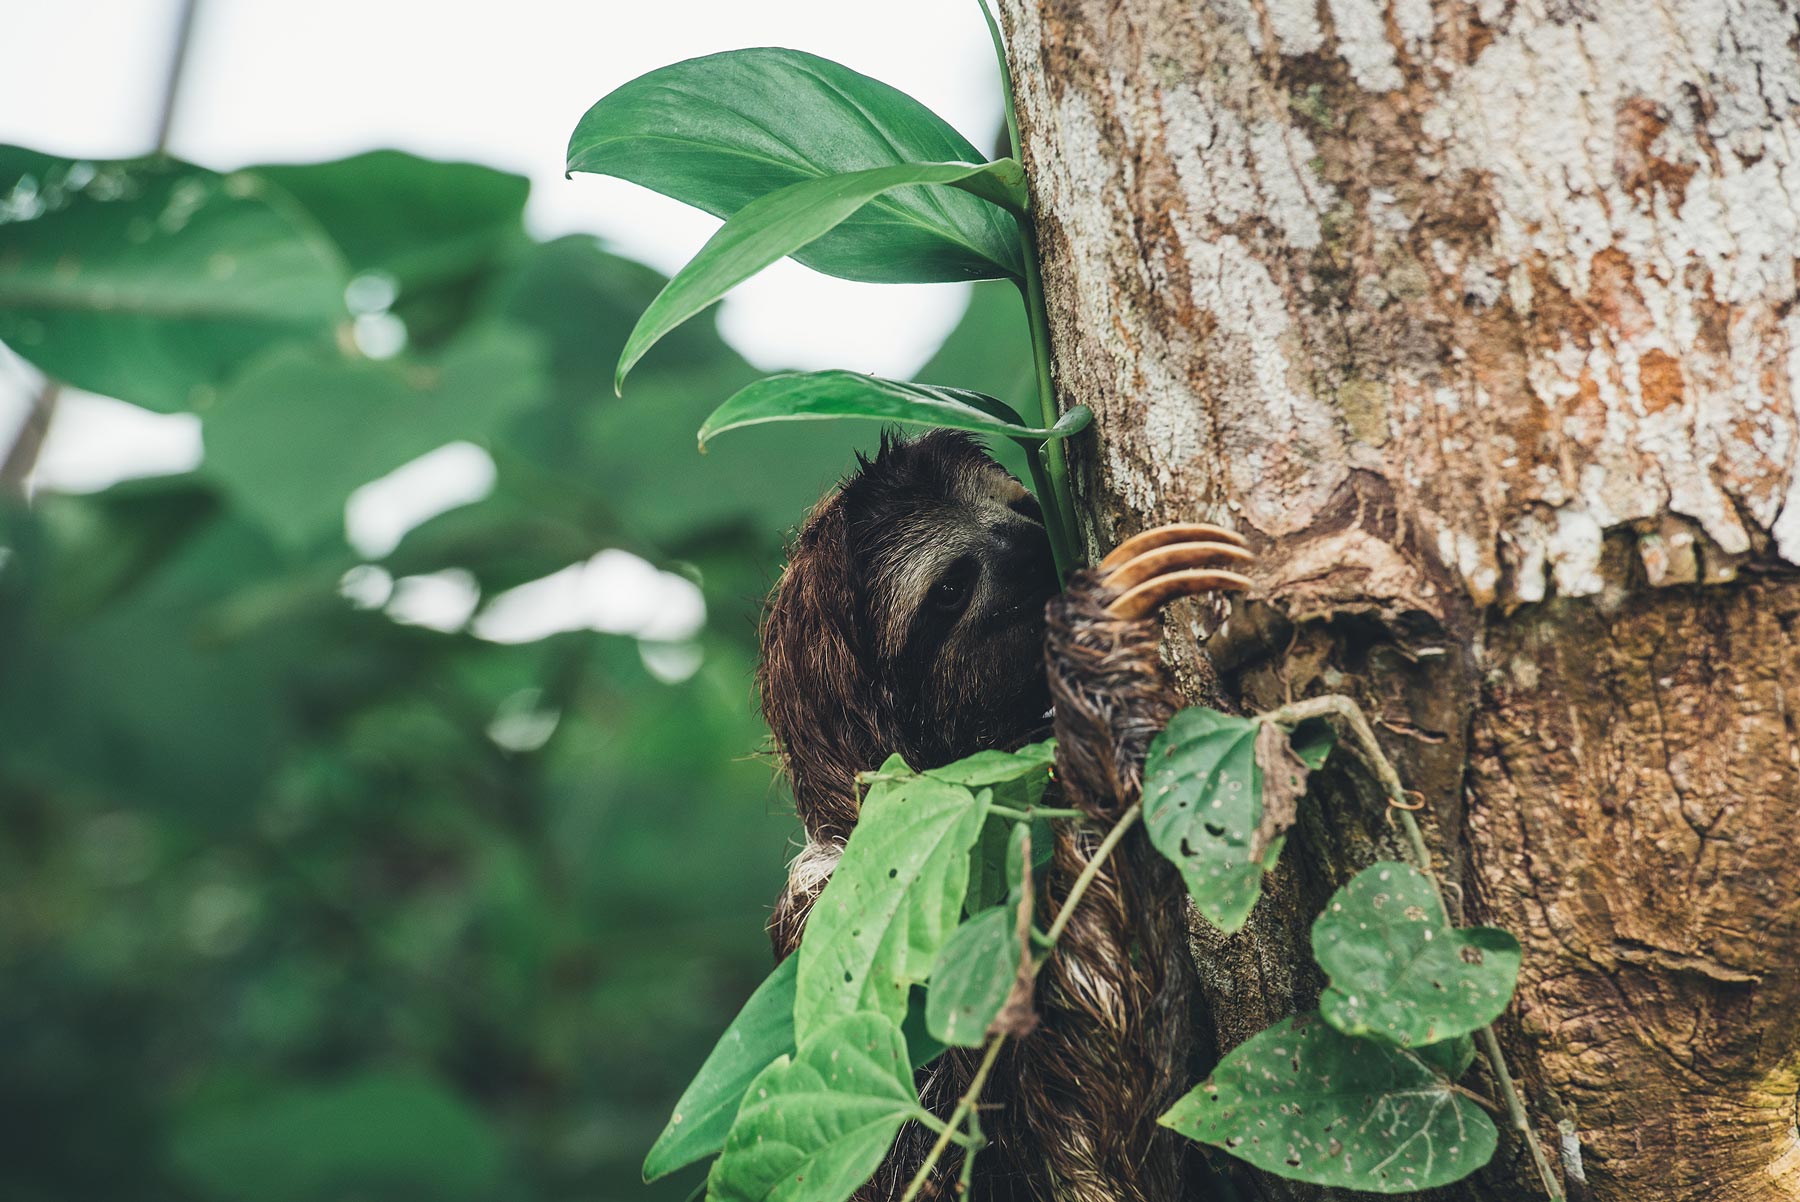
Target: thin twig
(964, 1108)
(1351, 715)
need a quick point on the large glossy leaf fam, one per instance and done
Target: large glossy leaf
(152, 280)
(301, 430)
(719, 132)
(894, 898)
(1203, 807)
(1308, 1103)
(772, 227)
(762, 1032)
(1399, 970)
(815, 1127)
(800, 396)
(418, 220)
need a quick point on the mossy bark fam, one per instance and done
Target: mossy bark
(1479, 321)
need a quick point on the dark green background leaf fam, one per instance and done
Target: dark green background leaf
(151, 280)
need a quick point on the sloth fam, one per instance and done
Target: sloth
(920, 613)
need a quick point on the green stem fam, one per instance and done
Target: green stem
(964, 1108)
(1126, 821)
(1351, 715)
(1060, 548)
(1056, 460)
(1052, 476)
(1031, 812)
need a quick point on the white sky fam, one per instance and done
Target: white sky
(502, 84)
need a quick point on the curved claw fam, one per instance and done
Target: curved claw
(1173, 561)
(1162, 536)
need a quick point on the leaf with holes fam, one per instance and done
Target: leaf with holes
(1310, 1104)
(1203, 810)
(762, 1032)
(1018, 779)
(772, 227)
(720, 131)
(972, 977)
(813, 1127)
(1399, 970)
(893, 900)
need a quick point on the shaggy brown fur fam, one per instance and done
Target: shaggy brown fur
(864, 654)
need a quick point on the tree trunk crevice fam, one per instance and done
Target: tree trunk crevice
(1479, 321)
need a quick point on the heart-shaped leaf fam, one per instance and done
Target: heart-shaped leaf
(814, 1127)
(972, 977)
(719, 132)
(1203, 810)
(894, 898)
(772, 227)
(153, 281)
(819, 395)
(1399, 970)
(1310, 1104)
(762, 1032)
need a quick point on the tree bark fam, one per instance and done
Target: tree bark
(1479, 321)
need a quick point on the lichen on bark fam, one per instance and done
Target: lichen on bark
(1479, 321)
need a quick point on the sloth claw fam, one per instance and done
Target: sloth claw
(1159, 536)
(1157, 566)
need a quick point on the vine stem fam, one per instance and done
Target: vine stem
(1126, 821)
(1031, 812)
(1351, 715)
(964, 1108)
(1050, 462)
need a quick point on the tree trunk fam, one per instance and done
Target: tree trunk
(1478, 321)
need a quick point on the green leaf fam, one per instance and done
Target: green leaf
(1399, 970)
(719, 132)
(1452, 1057)
(894, 898)
(772, 227)
(380, 1134)
(1028, 768)
(151, 280)
(418, 220)
(301, 430)
(799, 396)
(815, 1126)
(762, 1032)
(972, 977)
(1310, 1104)
(1312, 742)
(1203, 807)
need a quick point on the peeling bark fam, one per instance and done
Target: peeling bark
(1479, 321)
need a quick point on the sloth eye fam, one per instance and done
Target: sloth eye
(951, 593)
(1028, 507)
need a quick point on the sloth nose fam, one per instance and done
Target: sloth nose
(1022, 557)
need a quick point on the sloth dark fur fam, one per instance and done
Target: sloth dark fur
(911, 618)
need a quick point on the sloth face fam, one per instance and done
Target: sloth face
(953, 571)
(910, 619)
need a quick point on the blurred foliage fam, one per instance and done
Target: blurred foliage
(302, 904)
